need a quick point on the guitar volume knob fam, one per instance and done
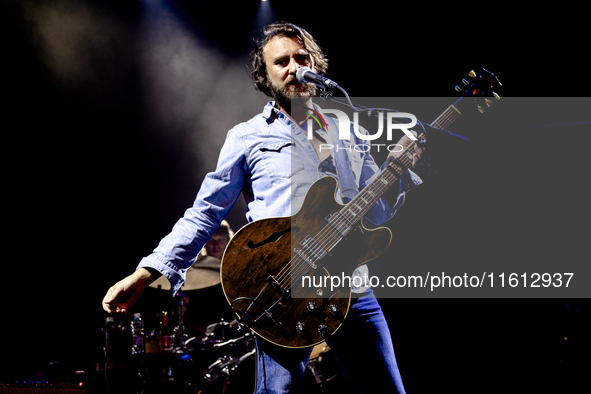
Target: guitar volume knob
(334, 309)
(300, 327)
(323, 330)
(311, 306)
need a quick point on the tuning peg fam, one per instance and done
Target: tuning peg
(472, 74)
(481, 109)
(458, 89)
(465, 82)
(488, 102)
(496, 96)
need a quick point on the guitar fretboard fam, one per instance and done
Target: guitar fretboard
(446, 118)
(364, 200)
(344, 221)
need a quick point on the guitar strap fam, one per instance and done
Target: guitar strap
(347, 184)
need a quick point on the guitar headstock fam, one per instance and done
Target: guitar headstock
(480, 84)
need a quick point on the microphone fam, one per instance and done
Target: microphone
(305, 75)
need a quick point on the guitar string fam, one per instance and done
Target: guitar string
(319, 249)
(445, 119)
(332, 235)
(446, 116)
(450, 114)
(331, 239)
(329, 236)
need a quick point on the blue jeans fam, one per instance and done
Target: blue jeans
(362, 346)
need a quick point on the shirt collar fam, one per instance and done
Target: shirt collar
(270, 113)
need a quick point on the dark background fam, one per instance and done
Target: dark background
(114, 111)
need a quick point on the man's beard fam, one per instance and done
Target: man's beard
(284, 94)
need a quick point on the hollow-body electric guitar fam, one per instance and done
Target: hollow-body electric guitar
(277, 274)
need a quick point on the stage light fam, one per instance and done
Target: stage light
(264, 16)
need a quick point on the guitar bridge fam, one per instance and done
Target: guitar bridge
(311, 251)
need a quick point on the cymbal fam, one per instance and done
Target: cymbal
(204, 273)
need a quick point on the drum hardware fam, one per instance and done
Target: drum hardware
(196, 364)
(222, 362)
(202, 274)
(223, 375)
(234, 341)
(179, 329)
(218, 332)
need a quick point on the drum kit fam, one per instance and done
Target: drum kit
(181, 354)
(186, 350)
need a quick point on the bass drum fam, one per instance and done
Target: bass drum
(231, 374)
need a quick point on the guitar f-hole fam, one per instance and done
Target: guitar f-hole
(276, 236)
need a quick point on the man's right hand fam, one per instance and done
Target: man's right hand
(126, 292)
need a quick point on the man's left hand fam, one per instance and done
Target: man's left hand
(402, 144)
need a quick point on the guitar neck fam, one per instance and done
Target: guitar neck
(388, 177)
(448, 116)
(356, 209)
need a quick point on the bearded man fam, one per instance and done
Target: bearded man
(270, 160)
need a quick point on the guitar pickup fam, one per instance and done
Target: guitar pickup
(339, 223)
(311, 251)
(277, 287)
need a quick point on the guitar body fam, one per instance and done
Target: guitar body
(259, 261)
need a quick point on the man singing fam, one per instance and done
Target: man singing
(272, 162)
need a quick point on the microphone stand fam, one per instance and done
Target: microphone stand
(180, 297)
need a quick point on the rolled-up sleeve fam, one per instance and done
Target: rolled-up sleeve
(219, 191)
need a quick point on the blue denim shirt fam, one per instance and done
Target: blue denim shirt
(273, 164)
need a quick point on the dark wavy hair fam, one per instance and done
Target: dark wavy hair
(283, 29)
